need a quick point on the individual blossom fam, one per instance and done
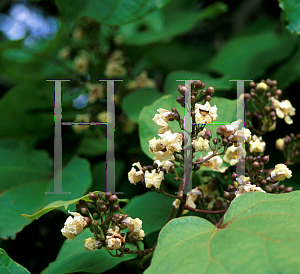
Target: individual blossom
(191, 197)
(95, 92)
(91, 244)
(214, 163)
(114, 69)
(134, 225)
(247, 188)
(81, 62)
(78, 33)
(153, 178)
(257, 144)
(280, 173)
(73, 226)
(142, 81)
(233, 154)
(232, 128)
(205, 114)
(84, 118)
(171, 141)
(284, 110)
(168, 164)
(158, 150)
(200, 144)
(135, 176)
(162, 119)
(262, 86)
(280, 144)
(114, 240)
(244, 134)
(138, 236)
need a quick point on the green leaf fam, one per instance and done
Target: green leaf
(7, 265)
(152, 208)
(250, 55)
(26, 176)
(106, 11)
(92, 146)
(171, 85)
(144, 96)
(148, 129)
(291, 14)
(260, 234)
(162, 25)
(73, 257)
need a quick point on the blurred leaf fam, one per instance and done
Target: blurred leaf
(171, 85)
(162, 25)
(92, 146)
(106, 12)
(263, 226)
(16, 119)
(250, 56)
(144, 96)
(73, 257)
(291, 14)
(25, 177)
(152, 208)
(7, 265)
(99, 174)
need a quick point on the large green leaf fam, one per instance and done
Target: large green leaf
(162, 25)
(73, 257)
(152, 208)
(26, 176)
(8, 266)
(260, 234)
(291, 14)
(106, 11)
(144, 96)
(250, 55)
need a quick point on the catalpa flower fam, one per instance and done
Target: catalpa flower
(73, 226)
(284, 110)
(280, 173)
(205, 114)
(257, 144)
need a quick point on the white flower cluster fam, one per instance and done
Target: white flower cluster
(246, 187)
(284, 110)
(73, 226)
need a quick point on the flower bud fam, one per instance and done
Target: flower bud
(115, 208)
(100, 195)
(267, 109)
(221, 130)
(116, 217)
(281, 188)
(255, 165)
(112, 200)
(253, 94)
(288, 189)
(261, 87)
(210, 90)
(93, 196)
(231, 188)
(218, 204)
(227, 195)
(265, 159)
(84, 211)
(103, 208)
(88, 220)
(252, 85)
(268, 95)
(269, 189)
(90, 205)
(208, 198)
(258, 158)
(207, 98)
(225, 142)
(278, 92)
(215, 140)
(263, 182)
(208, 133)
(95, 223)
(96, 215)
(107, 195)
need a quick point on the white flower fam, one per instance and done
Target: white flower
(191, 197)
(81, 62)
(214, 163)
(133, 225)
(158, 150)
(115, 240)
(135, 176)
(205, 113)
(262, 86)
(165, 164)
(200, 144)
(280, 144)
(244, 134)
(257, 145)
(114, 69)
(153, 179)
(162, 119)
(171, 141)
(96, 92)
(74, 226)
(233, 126)
(247, 188)
(284, 110)
(233, 154)
(281, 172)
(138, 235)
(91, 244)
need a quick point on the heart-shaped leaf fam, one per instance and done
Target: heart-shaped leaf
(7, 265)
(260, 234)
